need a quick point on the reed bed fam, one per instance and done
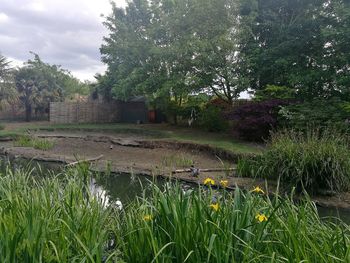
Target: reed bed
(58, 219)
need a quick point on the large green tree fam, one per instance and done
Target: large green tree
(299, 44)
(38, 84)
(170, 49)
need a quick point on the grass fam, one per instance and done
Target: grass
(316, 160)
(177, 160)
(58, 219)
(36, 143)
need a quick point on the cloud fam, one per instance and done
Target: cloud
(64, 32)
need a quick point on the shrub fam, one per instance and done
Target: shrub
(212, 119)
(318, 112)
(316, 161)
(255, 120)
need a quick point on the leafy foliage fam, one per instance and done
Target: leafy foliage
(8, 92)
(316, 160)
(38, 84)
(298, 44)
(254, 120)
(274, 92)
(318, 113)
(212, 119)
(172, 49)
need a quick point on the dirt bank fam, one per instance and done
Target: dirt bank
(131, 154)
(135, 154)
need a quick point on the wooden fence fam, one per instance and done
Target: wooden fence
(84, 112)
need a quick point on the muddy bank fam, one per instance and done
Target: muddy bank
(125, 154)
(139, 156)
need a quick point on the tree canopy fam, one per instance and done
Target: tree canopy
(39, 83)
(7, 87)
(173, 48)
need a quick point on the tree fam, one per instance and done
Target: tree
(172, 49)
(297, 44)
(8, 92)
(217, 62)
(38, 84)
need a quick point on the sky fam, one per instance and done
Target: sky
(63, 32)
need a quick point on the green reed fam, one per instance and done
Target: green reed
(58, 219)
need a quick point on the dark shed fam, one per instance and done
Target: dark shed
(134, 110)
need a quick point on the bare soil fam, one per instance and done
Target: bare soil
(157, 161)
(72, 146)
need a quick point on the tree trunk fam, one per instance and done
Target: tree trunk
(28, 112)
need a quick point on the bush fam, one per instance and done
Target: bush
(316, 161)
(318, 112)
(212, 119)
(255, 120)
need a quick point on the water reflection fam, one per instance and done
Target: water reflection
(333, 214)
(122, 187)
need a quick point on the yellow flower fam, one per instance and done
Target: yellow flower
(224, 183)
(147, 218)
(215, 206)
(261, 217)
(258, 190)
(209, 181)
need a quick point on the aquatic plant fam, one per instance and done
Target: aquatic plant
(238, 227)
(59, 219)
(52, 219)
(315, 161)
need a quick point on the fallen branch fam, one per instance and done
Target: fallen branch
(204, 170)
(85, 161)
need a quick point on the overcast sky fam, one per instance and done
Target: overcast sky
(63, 32)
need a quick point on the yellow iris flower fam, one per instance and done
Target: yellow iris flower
(209, 181)
(215, 206)
(147, 218)
(258, 190)
(261, 218)
(224, 183)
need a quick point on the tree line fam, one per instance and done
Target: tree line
(168, 50)
(34, 85)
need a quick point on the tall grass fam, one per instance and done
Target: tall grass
(177, 226)
(51, 220)
(58, 219)
(36, 143)
(317, 160)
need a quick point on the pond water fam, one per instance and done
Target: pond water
(126, 187)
